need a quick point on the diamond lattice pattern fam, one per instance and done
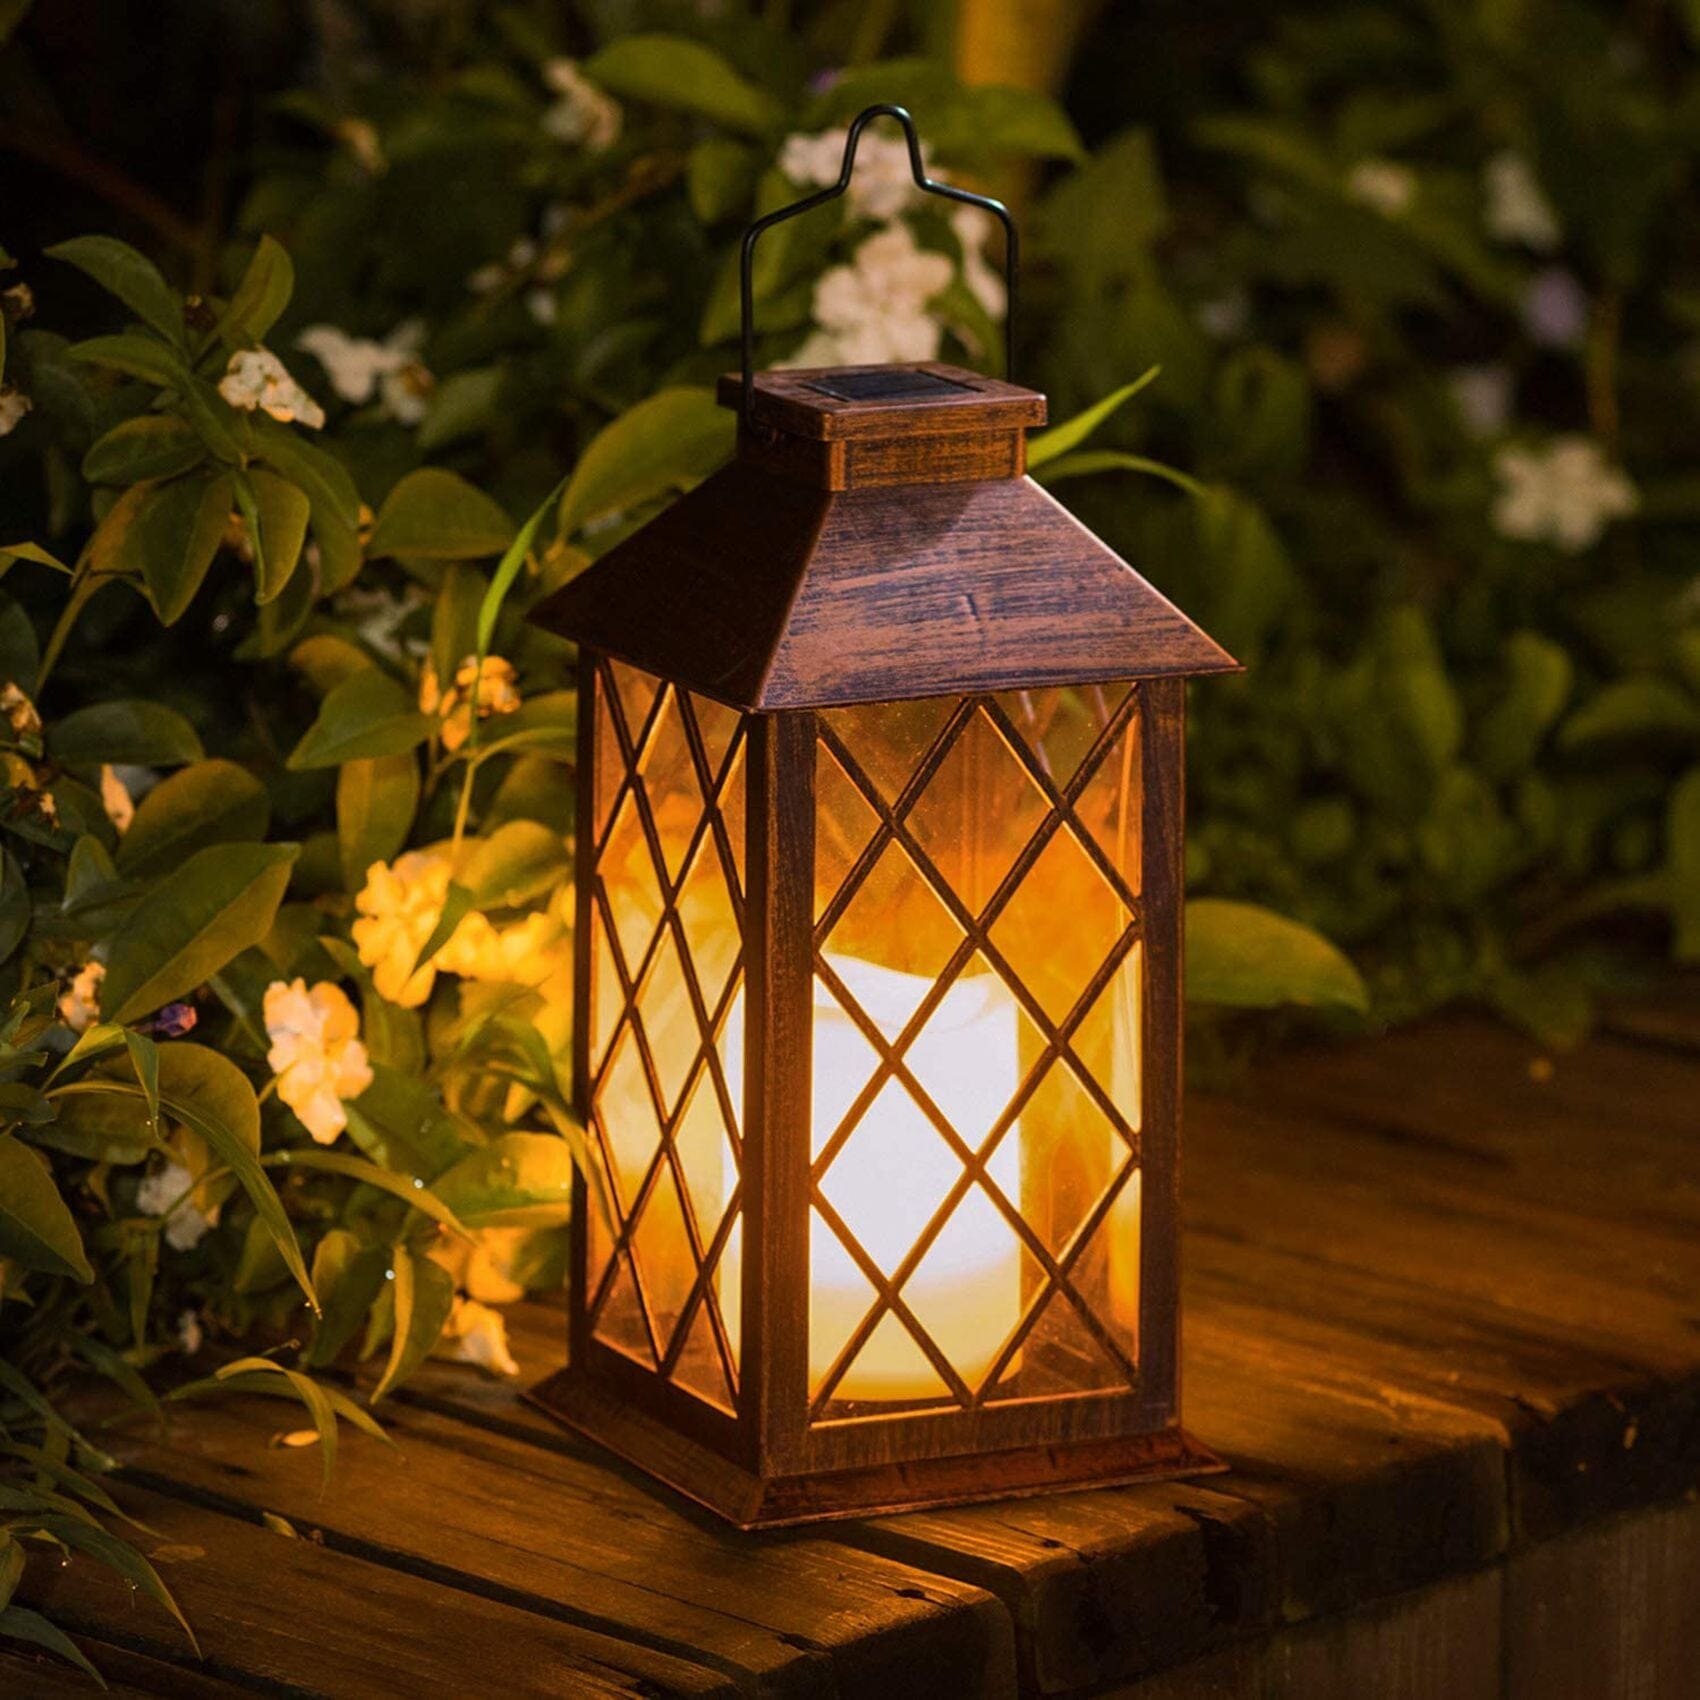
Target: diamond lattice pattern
(977, 1042)
(666, 966)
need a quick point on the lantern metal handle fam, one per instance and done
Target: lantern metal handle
(746, 285)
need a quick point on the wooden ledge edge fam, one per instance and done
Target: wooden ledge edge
(751, 1502)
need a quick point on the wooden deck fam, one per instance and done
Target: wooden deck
(1443, 1318)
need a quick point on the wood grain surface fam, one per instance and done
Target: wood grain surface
(1442, 1317)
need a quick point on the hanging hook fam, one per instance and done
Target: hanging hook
(918, 170)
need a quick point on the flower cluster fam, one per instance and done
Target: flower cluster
(492, 684)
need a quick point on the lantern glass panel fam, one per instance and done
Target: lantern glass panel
(977, 1039)
(666, 969)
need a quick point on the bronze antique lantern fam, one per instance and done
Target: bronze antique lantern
(878, 965)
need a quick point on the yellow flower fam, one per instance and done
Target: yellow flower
(497, 693)
(483, 1268)
(399, 907)
(19, 711)
(116, 800)
(315, 1053)
(528, 953)
(475, 1334)
(79, 1004)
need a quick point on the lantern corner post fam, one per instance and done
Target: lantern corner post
(1163, 804)
(779, 944)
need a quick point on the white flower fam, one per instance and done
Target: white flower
(189, 1333)
(475, 1334)
(583, 113)
(168, 1189)
(115, 798)
(1383, 185)
(357, 367)
(14, 404)
(79, 1004)
(315, 1053)
(1555, 309)
(880, 185)
(1482, 395)
(483, 1267)
(378, 615)
(974, 227)
(256, 378)
(1565, 494)
(543, 305)
(874, 310)
(1517, 208)
(1225, 316)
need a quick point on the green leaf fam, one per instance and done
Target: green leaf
(546, 724)
(399, 1122)
(166, 535)
(349, 1276)
(515, 863)
(433, 515)
(1645, 706)
(131, 276)
(368, 714)
(119, 1556)
(1089, 461)
(520, 1180)
(410, 1191)
(676, 72)
(326, 480)
(21, 1624)
(376, 798)
(259, 1266)
(1540, 675)
(125, 731)
(260, 298)
(10, 552)
(214, 1087)
(37, 1230)
(1248, 957)
(457, 905)
(424, 1296)
(14, 905)
(136, 356)
(212, 802)
(156, 445)
(214, 906)
(1044, 446)
(325, 660)
(1682, 853)
(665, 443)
(282, 509)
(462, 405)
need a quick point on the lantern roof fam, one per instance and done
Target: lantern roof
(875, 538)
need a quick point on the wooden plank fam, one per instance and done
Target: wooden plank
(1608, 1611)
(289, 1615)
(1668, 1017)
(27, 1677)
(1440, 1643)
(562, 1532)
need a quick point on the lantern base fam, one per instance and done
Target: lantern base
(757, 1502)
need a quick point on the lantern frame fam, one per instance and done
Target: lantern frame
(770, 1463)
